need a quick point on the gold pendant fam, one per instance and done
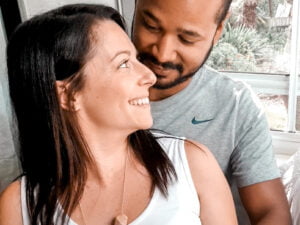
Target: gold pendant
(121, 220)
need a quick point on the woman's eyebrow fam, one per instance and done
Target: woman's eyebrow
(119, 53)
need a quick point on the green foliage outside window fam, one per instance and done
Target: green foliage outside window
(251, 47)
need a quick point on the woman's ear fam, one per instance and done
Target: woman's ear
(63, 96)
(61, 90)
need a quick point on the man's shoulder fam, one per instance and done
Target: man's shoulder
(222, 85)
(221, 80)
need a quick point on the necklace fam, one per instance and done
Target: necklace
(122, 218)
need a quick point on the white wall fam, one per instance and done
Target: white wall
(2, 48)
(30, 8)
(128, 9)
(9, 164)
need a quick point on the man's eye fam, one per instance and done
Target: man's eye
(185, 41)
(150, 27)
(124, 64)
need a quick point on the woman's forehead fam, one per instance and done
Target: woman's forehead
(110, 38)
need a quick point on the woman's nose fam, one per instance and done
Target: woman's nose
(147, 76)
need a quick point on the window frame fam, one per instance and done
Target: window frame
(284, 142)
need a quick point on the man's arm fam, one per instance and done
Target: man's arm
(254, 166)
(266, 203)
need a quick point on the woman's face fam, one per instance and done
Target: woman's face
(115, 93)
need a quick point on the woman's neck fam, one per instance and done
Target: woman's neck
(107, 158)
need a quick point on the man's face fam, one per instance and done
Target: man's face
(174, 37)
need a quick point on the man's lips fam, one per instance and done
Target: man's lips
(159, 70)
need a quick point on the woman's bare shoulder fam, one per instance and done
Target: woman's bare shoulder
(196, 151)
(10, 205)
(214, 194)
(203, 165)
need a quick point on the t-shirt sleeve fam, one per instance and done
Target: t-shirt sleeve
(253, 159)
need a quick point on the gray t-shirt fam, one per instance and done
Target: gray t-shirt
(226, 116)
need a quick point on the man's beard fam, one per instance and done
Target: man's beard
(146, 57)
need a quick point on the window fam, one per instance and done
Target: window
(261, 46)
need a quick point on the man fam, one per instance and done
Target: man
(174, 38)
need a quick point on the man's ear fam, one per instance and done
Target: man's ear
(63, 96)
(220, 29)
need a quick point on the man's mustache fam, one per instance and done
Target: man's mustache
(165, 65)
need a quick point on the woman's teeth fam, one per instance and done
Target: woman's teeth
(140, 101)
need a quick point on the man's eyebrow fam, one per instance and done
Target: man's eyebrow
(120, 53)
(151, 16)
(181, 30)
(190, 33)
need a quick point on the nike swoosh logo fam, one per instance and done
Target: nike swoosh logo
(194, 121)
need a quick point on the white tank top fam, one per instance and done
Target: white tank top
(182, 205)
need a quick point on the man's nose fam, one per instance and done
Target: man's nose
(164, 49)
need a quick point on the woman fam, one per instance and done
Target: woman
(81, 100)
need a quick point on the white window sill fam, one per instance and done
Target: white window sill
(281, 159)
(285, 143)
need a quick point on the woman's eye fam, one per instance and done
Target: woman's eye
(124, 64)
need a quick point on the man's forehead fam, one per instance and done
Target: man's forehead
(204, 14)
(195, 8)
(187, 3)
